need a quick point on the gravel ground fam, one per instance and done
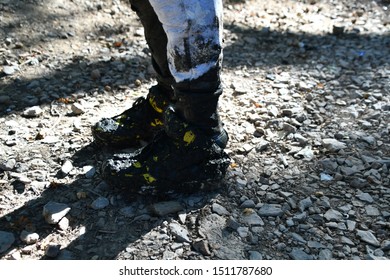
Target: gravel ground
(306, 105)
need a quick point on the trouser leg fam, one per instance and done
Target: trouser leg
(157, 41)
(194, 55)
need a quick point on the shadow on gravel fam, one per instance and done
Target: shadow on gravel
(92, 233)
(73, 73)
(270, 49)
(77, 78)
(57, 18)
(346, 53)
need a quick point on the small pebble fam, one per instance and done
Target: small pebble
(100, 203)
(52, 250)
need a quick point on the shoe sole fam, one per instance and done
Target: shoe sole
(209, 177)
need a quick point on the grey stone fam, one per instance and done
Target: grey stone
(77, 109)
(298, 237)
(315, 244)
(251, 218)
(165, 208)
(333, 215)
(299, 254)
(285, 194)
(372, 211)
(51, 139)
(262, 146)
(52, 250)
(202, 246)
(365, 197)
(333, 145)
(287, 112)
(142, 217)
(255, 255)
(213, 227)
(102, 186)
(179, 232)
(281, 246)
(385, 245)
(29, 237)
(373, 174)
(373, 257)
(10, 69)
(8, 165)
(248, 204)
(289, 128)
(243, 231)
(168, 255)
(247, 148)
(273, 111)
(241, 183)
(182, 217)
(219, 209)
(368, 237)
(349, 171)
(376, 254)
(66, 167)
(6, 240)
(63, 224)
(5, 99)
(54, 212)
(233, 224)
(226, 253)
(301, 139)
(32, 112)
(271, 210)
(100, 203)
(369, 140)
(307, 153)
(127, 211)
(290, 222)
(175, 245)
(304, 204)
(325, 254)
(299, 217)
(351, 225)
(65, 255)
(325, 177)
(95, 74)
(89, 171)
(346, 240)
(328, 164)
(358, 183)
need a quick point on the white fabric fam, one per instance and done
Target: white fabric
(194, 32)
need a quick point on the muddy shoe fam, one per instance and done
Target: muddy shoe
(141, 122)
(180, 158)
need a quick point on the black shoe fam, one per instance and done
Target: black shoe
(181, 157)
(139, 123)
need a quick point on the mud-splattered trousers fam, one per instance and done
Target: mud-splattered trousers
(185, 39)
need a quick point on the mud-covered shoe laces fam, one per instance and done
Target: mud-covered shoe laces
(139, 123)
(180, 158)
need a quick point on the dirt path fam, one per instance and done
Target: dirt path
(306, 105)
